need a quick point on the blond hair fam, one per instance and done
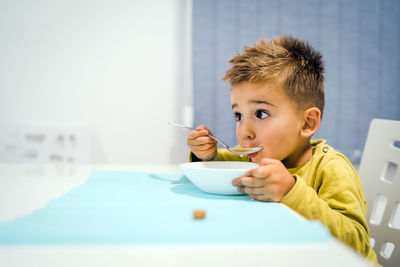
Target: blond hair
(292, 62)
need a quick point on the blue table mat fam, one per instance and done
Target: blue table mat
(149, 208)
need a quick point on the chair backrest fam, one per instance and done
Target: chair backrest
(380, 175)
(44, 143)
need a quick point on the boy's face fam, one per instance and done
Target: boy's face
(267, 118)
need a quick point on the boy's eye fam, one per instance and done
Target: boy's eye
(238, 116)
(262, 114)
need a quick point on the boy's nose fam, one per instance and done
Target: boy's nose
(247, 130)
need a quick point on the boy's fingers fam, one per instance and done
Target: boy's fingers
(254, 191)
(204, 147)
(248, 182)
(195, 134)
(201, 127)
(259, 172)
(262, 171)
(261, 197)
(204, 128)
(200, 141)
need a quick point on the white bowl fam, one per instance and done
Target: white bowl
(216, 176)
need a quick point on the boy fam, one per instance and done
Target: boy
(277, 96)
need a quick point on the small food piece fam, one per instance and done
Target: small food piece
(199, 214)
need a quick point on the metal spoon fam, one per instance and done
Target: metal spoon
(238, 150)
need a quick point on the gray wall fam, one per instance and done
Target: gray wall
(359, 40)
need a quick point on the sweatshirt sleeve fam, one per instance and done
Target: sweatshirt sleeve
(336, 199)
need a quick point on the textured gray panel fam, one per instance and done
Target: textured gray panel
(330, 49)
(290, 17)
(346, 107)
(309, 21)
(248, 29)
(204, 42)
(269, 18)
(389, 68)
(358, 39)
(227, 36)
(369, 62)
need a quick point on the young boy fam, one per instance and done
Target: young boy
(277, 96)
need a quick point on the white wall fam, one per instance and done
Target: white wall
(117, 66)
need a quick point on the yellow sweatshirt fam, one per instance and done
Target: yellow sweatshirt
(327, 189)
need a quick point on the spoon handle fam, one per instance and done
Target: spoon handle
(209, 135)
(180, 125)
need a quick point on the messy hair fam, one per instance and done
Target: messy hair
(291, 62)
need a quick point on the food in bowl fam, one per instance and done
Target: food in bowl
(216, 176)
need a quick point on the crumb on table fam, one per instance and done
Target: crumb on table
(199, 214)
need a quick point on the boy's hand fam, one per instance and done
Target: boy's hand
(201, 145)
(270, 181)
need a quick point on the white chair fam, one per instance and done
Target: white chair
(380, 177)
(44, 143)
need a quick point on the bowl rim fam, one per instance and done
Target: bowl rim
(197, 165)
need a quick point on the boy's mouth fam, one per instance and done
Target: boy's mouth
(252, 155)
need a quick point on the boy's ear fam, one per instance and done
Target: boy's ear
(312, 121)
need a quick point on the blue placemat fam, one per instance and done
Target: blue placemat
(135, 207)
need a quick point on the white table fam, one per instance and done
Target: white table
(26, 188)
